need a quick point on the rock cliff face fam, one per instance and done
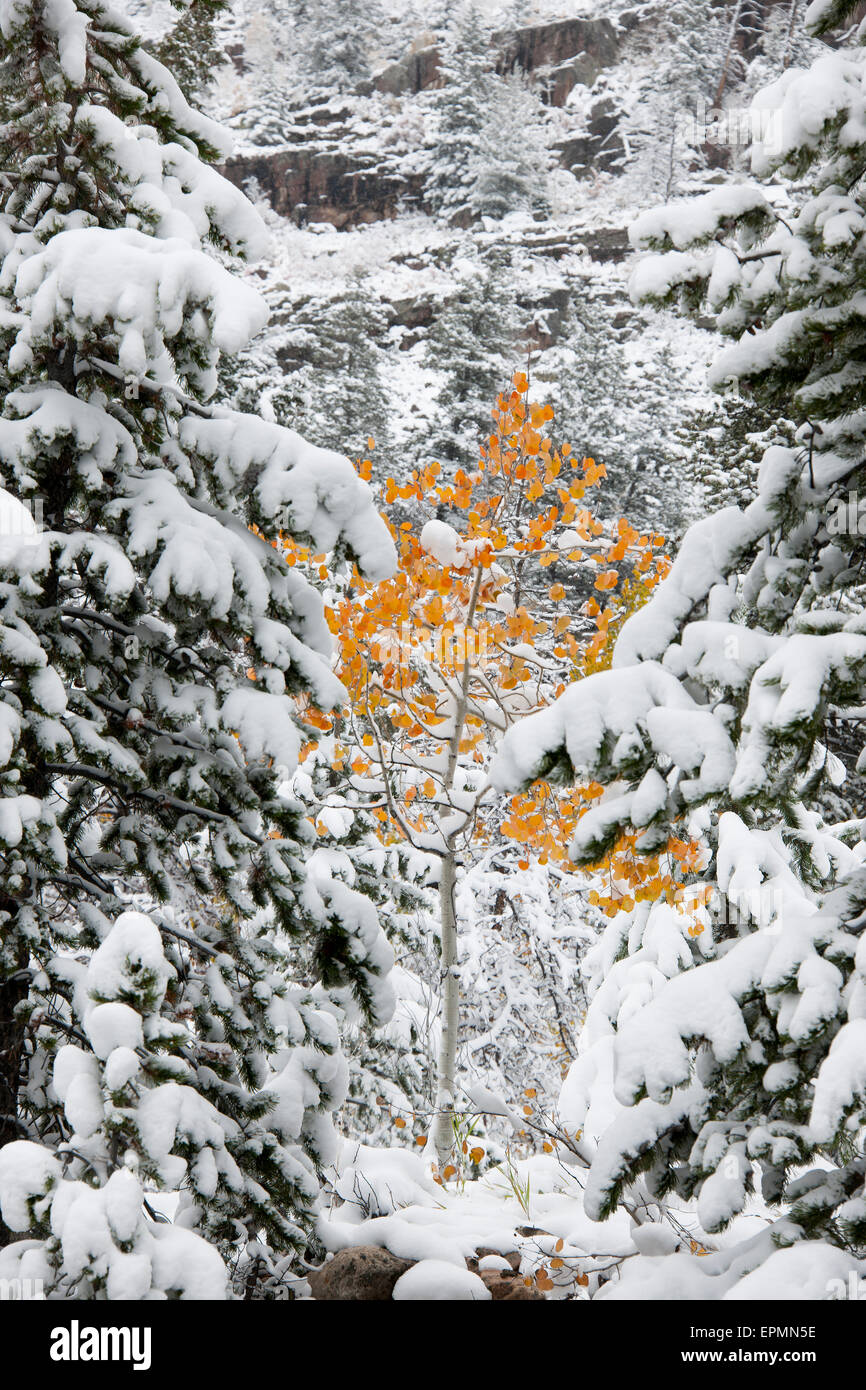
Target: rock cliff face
(558, 54)
(309, 183)
(599, 147)
(413, 73)
(318, 176)
(324, 173)
(561, 54)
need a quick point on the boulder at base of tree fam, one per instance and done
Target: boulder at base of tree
(360, 1274)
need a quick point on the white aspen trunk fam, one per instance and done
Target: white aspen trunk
(443, 1128)
(443, 1131)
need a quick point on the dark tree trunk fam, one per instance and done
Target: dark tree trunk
(13, 991)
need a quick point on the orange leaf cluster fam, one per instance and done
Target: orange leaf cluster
(406, 642)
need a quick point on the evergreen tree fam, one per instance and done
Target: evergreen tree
(489, 153)
(460, 118)
(514, 160)
(191, 49)
(321, 369)
(153, 646)
(272, 85)
(626, 405)
(392, 1065)
(125, 1118)
(302, 52)
(668, 127)
(473, 345)
(723, 446)
(336, 38)
(748, 1056)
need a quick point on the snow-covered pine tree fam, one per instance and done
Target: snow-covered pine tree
(779, 40)
(460, 109)
(627, 400)
(128, 1124)
(489, 152)
(666, 129)
(515, 157)
(153, 640)
(320, 369)
(723, 444)
(300, 53)
(473, 345)
(392, 1067)
(336, 39)
(725, 1046)
(262, 100)
(191, 49)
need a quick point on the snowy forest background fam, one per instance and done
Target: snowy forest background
(432, 656)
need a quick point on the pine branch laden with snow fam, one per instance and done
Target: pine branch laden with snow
(389, 1030)
(784, 284)
(95, 1232)
(724, 1051)
(152, 640)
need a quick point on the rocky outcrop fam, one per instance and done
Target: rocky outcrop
(484, 1252)
(413, 73)
(599, 146)
(364, 1273)
(600, 244)
(505, 1282)
(312, 184)
(547, 314)
(508, 1287)
(346, 187)
(559, 54)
